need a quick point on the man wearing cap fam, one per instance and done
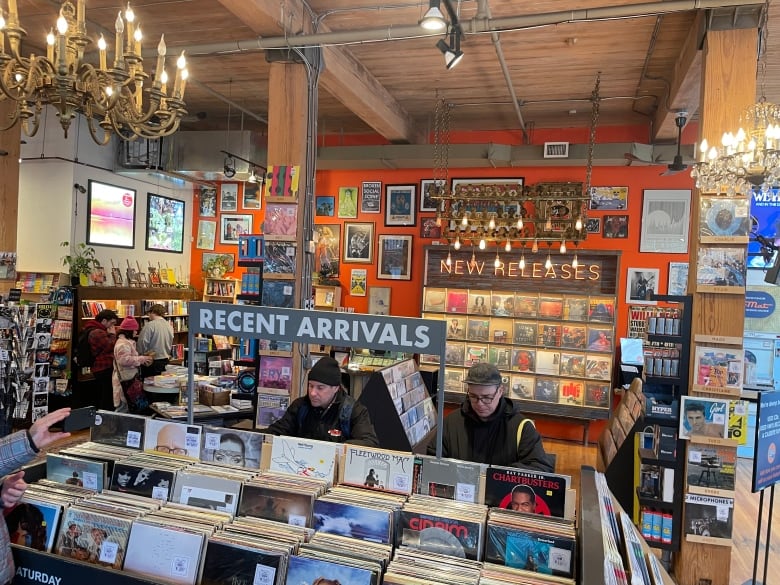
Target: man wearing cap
(488, 428)
(327, 412)
(156, 340)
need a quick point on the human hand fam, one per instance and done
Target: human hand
(147, 360)
(40, 433)
(13, 489)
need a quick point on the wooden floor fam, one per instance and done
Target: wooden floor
(571, 456)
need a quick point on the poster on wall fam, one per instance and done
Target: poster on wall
(207, 232)
(379, 300)
(228, 197)
(207, 201)
(251, 199)
(110, 215)
(371, 200)
(641, 284)
(327, 249)
(348, 202)
(357, 286)
(678, 278)
(164, 224)
(665, 218)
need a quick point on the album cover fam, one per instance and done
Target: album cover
(526, 306)
(164, 553)
(601, 309)
(278, 293)
(475, 354)
(457, 301)
(572, 392)
(523, 548)
(275, 372)
(547, 389)
(280, 504)
(478, 329)
(281, 220)
(524, 360)
(149, 482)
(95, 537)
(524, 490)
(572, 364)
(500, 330)
(548, 362)
(709, 519)
(33, 523)
(234, 447)
(172, 438)
(453, 380)
(711, 467)
(204, 491)
(75, 471)
(721, 267)
(435, 299)
(279, 259)
(230, 563)
(441, 534)
(551, 307)
(598, 367)
(454, 353)
(575, 308)
(725, 220)
(502, 304)
(597, 394)
(522, 387)
(706, 417)
(600, 339)
(118, 429)
(320, 572)
(549, 335)
(525, 333)
(352, 521)
(500, 356)
(719, 369)
(379, 469)
(451, 479)
(456, 328)
(307, 457)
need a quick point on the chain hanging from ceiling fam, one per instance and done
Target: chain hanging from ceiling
(595, 100)
(441, 147)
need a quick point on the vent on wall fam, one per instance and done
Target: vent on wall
(556, 150)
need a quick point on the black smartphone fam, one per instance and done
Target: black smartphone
(79, 419)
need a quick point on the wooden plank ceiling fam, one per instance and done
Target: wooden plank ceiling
(648, 63)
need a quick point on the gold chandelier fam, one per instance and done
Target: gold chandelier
(119, 97)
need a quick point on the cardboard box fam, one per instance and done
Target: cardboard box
(214, 398)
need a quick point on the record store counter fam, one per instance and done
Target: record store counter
(202, 414)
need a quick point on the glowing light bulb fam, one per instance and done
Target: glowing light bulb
(508, 246)
(464, 221)
(520, 223)
(49, 38)
(473, 258)
(535, 247)
(548, 262)
(497, 261)
(448, 261)
(492, 224)
(109, 91)
(482, 244)
(62, 25)
(574, 262)
(438, 222)
(563, 247)
(548, 225)
(578, 224)
(521, 264)
(456, 245)
(101, 43)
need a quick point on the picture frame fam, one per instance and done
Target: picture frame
(325, 205)
(399, 205)
(593, 225)
(426, 203)
(207, 201)
(665, 217)
(357, 286)
(371, 197)
(519, 181)
(394, 257)
(164, 223)
(232, 226)
(379, 300)
(721, 269)
(250, 197)
(228, 258)
(610, 198)
(678, 279)
(327, 248)
(358, 246)
(640, 283)
(347, 202)
(207, 234)
(429, 229)
(615, 227)
(228, 197)
(110, 215)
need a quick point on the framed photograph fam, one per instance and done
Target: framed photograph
(232, 226)
(110, 215)
(371, 197)
(678, 279)
(615, 226)
(665, 217)
(357, 282)
(207, 233)
(379, 300)
(325, 206)
(228, 197)
(395, 257)
(704, 417)
(251, 196)
(164, 224)
(426, 203)
(227, 260)
(359, 242)
(207, 201)
(348, 202)
(641, 283)
(609, 197)
(399, 204)
(593, 225)
(327, 249)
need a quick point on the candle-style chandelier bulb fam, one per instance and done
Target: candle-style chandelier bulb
(574, 262)
(508, 246)
(497, 261)
(456, 245)
(548, 262)
(482, 244)
(548, 225)
(438, 221)
(465, 221)
(521, 264)
(448, 261)
(578, 224)
(492, 223)
(535, 247)
(520, 223)
(473, 257)
(563, 246)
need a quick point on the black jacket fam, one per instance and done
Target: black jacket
(493, 441)
(319, 421)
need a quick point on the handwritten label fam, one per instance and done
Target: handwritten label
(133, 439)
(464, 492)
(212, 440)
(264, 575)
(296, 520)
(191, 441)
(160, 493)
(180, 566)
(90, 480)
(108, 551)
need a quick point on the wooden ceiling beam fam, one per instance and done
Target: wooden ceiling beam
(344, 76)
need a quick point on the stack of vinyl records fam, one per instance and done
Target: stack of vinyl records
(269, 529)
(340, 550)
(500, 575)
(234, 557)
(76, 471)
(118, 429)
(233, 447)
(541, 544)
(417, 567)
(441, 526)
(296, 456)
(377, 469)
(146, 474)
(356, 513)
(281, 497)
(324, 571)
(451, 479)
(100, 452)
(210, 487)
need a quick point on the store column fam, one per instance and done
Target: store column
(10, 141)
(728, 87)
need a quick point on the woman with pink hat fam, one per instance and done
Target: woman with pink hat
(128, 389)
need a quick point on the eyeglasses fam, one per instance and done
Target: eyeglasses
(484, 399)
(228, 457)
(170, 450)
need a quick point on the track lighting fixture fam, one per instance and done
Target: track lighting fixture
(229, 168)
(433, 19)
(452, 53)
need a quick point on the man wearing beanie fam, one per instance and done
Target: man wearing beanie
(156, 340)
(488, 428)
(327, 412)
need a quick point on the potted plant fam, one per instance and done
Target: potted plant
(218, 265)
(80, 262)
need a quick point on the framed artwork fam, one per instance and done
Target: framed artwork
(379, 300)
(110, 215)
(164, 224)
(207, 201)
(371, 197)
(232, 226)
(678, 278)
(615, 226)
(721, 269)
(394, 257)
(593, 225)
(251, 198)
(327, 249)
(228, 197)
(359, 242)
(429, 229)
(228, 260)
(426, 203)
(348, 202)
(609, 197)
(665, 217)
(399, 204)
(641, 283)
(461, 184)
(357, 282)
(325, 205)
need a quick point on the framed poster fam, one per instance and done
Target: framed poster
(665, 217)
(348, 202)
(251, 197)
(641, 283)
(207, 201)
(371, 197)
(359, 242)
(678, 278)
(228, 197)
(164, 224)
(394, 257)
(399, 204)
(110, 215)
(227, 260)
(721, 269)
(233, 226)
(615, 226)
(325, 205)
(426, 203)
(379, 300)
(357, 282)
(609, 197)
(593, 225)
(327, 249)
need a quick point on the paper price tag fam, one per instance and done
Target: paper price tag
(180, 566)
(212, 440)
(560, 559)
(722, 513)
(133, 439)
(694, 456)
(160, 493)
(401, 482)
(290, 251)
(464, 492)
(264, 575)
(740, 407)
(108, 551)
(296, 520)
(90, 480)
(191, 441)
(98, 420)
(287, 290)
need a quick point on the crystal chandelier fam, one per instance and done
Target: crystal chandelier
(120, 97)
(749, 157)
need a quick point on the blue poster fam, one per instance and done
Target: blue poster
(766, 464)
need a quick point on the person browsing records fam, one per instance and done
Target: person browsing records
(327, 412)
(488, 428)
(126, 363)
(156, 340)
(101, 336)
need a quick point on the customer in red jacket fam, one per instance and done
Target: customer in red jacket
(102, 337)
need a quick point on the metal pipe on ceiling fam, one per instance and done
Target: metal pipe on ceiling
(228, 101)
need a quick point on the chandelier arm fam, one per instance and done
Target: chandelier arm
(93, 132)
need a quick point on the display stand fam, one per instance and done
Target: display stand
(220, 290)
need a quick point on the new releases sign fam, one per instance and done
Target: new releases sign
(319, 327)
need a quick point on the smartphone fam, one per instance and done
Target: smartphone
(79, 419)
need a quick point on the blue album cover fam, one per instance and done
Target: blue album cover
(33, 523)
(305, 570)
(352, 521)
(524, 549)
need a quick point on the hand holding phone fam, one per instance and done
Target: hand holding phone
(79, 419)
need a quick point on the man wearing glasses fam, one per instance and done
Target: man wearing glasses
(485, 428)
